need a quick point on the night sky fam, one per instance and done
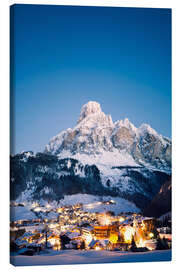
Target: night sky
(65, 56)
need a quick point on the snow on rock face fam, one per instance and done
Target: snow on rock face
(97, 137)
(145, 128)
(55, 142)
(90, 108)
(91, 116)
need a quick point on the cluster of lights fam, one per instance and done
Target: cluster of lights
(151, 235)
(37, 209)
(140, 243)
(128, 234)
(139, 230)
(52, 226)
(113, 238)
(34, 204)
(121, 219)
(112, 201)
(48, 205)
(88, 239)
(105, 220)
(90, 206)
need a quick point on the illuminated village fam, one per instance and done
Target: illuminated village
(71, 227)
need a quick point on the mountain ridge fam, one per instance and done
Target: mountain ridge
(96, 135)
(96, 157)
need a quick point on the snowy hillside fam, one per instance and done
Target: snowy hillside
(92, 203)
(47, 177)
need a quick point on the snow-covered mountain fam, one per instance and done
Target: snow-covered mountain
(97, 157)
(96, 139)
(36, 177)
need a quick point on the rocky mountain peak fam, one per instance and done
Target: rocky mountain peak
(119, 143)
(147, 129)
(126, 124)
(92, 107)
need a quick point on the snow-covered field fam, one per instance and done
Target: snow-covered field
(19, 212)
(88, 257)
(121, 205)
(90, 204)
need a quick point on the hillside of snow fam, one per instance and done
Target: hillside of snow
(91, 203)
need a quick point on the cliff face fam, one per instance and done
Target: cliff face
(95, 135)
(161, 203)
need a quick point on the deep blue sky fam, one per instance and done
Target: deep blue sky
(66, 56)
